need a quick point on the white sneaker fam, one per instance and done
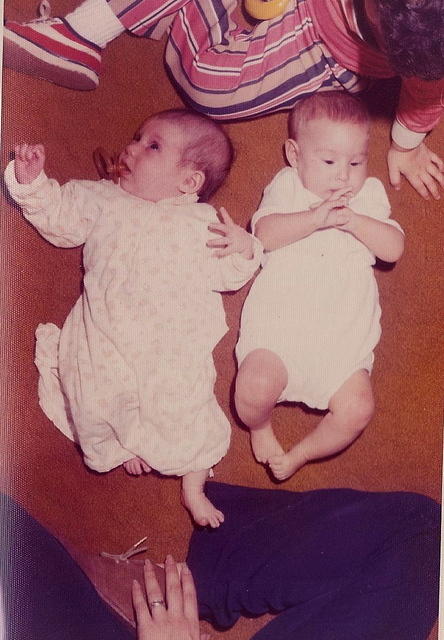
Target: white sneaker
(50, 49)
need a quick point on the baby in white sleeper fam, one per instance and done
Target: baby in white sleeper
(130, 376)
(311, 319)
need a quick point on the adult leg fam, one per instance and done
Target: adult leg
(336, 563)
(393, 594)
(46, 595)
(350, 410)
(260, 381)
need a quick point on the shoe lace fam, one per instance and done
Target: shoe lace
(126, 555)
(44, 13)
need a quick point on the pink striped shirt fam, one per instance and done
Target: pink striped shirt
(421, 102)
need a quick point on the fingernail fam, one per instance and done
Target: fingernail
(185, 568)
(169, 559)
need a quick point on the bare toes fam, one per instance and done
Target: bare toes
(214, 523)
(129, 468)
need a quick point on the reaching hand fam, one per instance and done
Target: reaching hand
(422, 168)
(177, 619)
(233, 238)
(333, 212)
(29, 162)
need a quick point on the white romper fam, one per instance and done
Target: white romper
(131, 372)
(315, 302)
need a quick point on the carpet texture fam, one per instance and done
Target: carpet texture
(400, 449)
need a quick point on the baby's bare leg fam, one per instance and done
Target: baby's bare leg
(136, 466)
(194, 499)
(260, 381)
(350, 410)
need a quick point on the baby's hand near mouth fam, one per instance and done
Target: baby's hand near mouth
(343, 195)
(339, 217)
(342, 214)
(327, 212)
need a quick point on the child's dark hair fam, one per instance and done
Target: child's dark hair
(413, 32)
(337, 106)
(208, 147)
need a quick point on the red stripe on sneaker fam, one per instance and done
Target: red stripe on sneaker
(73, 35)
(59, 50)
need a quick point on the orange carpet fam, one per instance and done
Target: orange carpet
(400, 450)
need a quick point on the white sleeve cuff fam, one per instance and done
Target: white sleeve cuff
(16, 188)
(246, 264)
(405, 138)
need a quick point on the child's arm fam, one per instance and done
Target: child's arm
(423, 168)
(62, 215)
(237, 257)
(383, 239)
(233, 238)
(29, 162)
(419, 110)
(280, 229)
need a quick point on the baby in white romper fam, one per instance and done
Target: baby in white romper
(130, 376)
(311, 319)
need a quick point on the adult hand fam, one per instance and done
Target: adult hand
(29, 161)
(422, 168)
(177, 619)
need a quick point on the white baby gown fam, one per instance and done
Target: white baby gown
(131, 372)
(315, 302)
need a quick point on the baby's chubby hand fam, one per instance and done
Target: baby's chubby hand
(29, 162)
(334, 212)
(233, 238)
(340, 218)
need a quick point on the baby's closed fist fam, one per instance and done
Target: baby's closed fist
(29, 162)
(339, 217)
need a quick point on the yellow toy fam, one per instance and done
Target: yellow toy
(265, 9)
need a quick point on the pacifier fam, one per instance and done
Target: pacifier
(107, 165)
(265, 9)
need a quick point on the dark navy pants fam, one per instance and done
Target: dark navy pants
(46, 595)
(337, 564)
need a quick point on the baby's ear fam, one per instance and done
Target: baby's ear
(292, 152)
(193, 183)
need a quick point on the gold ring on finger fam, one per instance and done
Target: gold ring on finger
(157, 603)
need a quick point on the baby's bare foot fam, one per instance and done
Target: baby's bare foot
(284, 466)
(136, 466)
(265, 444)
(203, 511)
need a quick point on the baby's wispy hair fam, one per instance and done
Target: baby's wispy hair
(208, 147)
(337, 106)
